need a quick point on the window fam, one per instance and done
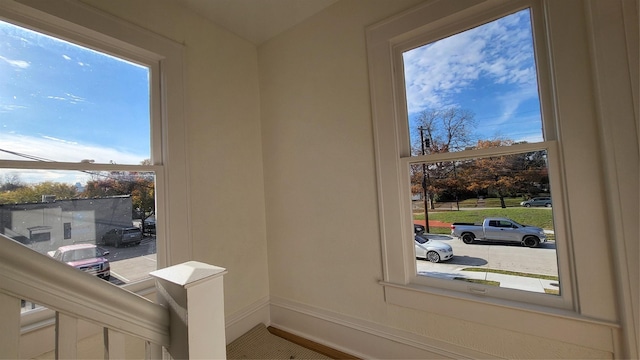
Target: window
(88, 134)
(65, 103)
(464, 132)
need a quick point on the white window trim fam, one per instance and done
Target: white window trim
(90, 27)
(87, 26)
(386, 42)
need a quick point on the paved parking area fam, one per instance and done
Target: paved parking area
(130, 270)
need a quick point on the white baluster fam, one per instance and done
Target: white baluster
(10, 334)
(114, 344)
(66, 336)
(153, 351)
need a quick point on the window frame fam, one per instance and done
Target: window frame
(86, 26)
(386, 43)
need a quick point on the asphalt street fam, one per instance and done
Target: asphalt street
(509, 257)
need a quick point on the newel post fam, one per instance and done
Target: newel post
(193, 293)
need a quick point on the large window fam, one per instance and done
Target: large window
(468, 96)
(65, 104)
(87, 113)
(472, 188)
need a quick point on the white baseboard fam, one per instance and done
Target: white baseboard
(361, 338)
(242, 321)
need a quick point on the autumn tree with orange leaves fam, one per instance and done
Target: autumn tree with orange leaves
(139, 185)
(505, 175)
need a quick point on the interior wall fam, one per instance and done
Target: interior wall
(322, 211)
(321, 198)
(223, 143)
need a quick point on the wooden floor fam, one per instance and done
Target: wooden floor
(312, 345)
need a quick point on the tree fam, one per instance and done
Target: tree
(442, 131)
(445, 130)
(506, 174)
(33, 193)
(139, 185)
(11, 182)
(534, 173)
(115, 183)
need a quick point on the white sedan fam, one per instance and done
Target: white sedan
(432, 250)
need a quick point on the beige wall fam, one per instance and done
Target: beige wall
(322, 211)
(298, 106)
(223, 143)
(321, 197)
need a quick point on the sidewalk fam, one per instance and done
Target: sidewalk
(513, 282)
(506, 281)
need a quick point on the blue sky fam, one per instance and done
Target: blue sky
(489, 70)
(62, 102)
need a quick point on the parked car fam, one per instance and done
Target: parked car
(86, 257)
(432, 250)
(499, 230)
(537, 201)
(418, 229)
(150, 226)
(122, 236)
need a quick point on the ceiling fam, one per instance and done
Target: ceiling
(257, 20)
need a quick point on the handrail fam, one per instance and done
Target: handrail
(39, 278)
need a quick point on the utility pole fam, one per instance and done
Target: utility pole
(424, 180)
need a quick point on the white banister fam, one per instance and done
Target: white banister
(25, 274)
(193, 292)
(192, 309)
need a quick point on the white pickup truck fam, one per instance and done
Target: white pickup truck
(499, 230)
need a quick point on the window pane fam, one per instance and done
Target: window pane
(63, 102)
(103, 224)
(479, 84)
(476, 209)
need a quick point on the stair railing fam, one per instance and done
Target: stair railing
(75, 295)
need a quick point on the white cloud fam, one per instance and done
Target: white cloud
(508, 105)
(60, 140)
(74, 99)
(22, 64)
(499, 52)
(5, 108)
(37, 176)
(66, 57)
(55, 149)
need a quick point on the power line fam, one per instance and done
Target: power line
(41, 159)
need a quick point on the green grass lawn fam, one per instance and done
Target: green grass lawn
(540, 217)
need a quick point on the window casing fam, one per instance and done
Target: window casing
(386, 43)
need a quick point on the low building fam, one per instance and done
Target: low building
(49, 224)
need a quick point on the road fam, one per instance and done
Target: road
(511, 257)
(135, 262)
